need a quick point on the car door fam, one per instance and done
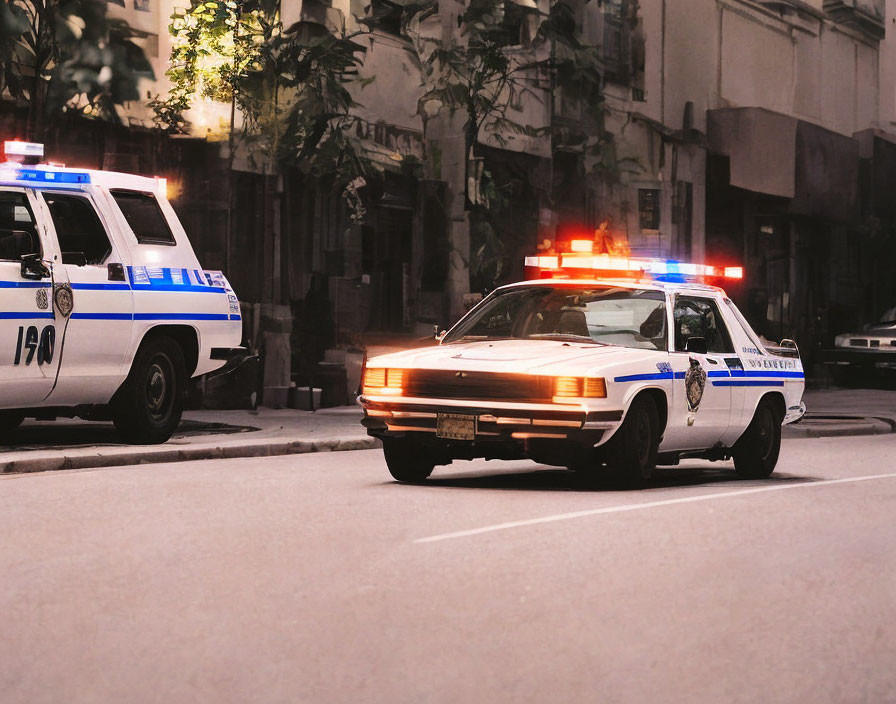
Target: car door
(100, 316)
(701, 397)
(29, 357)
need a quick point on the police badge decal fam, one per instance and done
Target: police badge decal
(694, 383)
(42, 299)
(62, 295)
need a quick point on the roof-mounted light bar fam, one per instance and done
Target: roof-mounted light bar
(20, 151)
(43, 177)
(563, 263)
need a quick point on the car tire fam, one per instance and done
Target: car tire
(147, 408)
(406, 460)
(756, 451)
(631, 453)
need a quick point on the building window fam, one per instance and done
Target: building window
(623, 47)
(649, 208)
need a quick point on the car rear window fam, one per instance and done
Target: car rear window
(144, 216)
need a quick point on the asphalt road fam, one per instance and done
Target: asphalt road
(315, 578)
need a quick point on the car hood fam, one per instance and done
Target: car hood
(516, 356)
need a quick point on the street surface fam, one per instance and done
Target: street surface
(315, 578)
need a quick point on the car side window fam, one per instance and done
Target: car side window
(144, 216)
(700, 317)
(18, 232)
(78, 229)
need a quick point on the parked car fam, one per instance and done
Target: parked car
(857, 354)
(592, 374)
(105, 311)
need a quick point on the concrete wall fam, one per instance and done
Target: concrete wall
(735, 53)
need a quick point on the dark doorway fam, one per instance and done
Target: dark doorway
(386, 257)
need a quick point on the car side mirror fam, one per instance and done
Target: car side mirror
(697, 345)
(33, 267)
(15, 244)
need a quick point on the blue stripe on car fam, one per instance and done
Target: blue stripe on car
(26, 315)
(716, 374)
(25, 284)
(748, 382)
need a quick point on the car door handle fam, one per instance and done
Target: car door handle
(115, 271)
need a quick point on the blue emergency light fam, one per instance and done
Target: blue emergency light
(51, 177)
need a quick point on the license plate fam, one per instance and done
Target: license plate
(454, 426)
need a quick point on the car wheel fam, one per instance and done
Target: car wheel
(756, 452)
(631, 453)
(9, 421)
(406, 460)
(148, 407)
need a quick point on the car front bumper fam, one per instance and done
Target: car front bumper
(859, 356)
(495, 422)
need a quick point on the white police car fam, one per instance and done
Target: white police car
(104, 309)
(589, 373)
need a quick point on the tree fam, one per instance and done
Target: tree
(288, 88)
(485, 74)
(67, 56)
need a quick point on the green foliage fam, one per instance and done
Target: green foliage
(68, 55)
(289, 85)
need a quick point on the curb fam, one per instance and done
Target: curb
(159, 454)
(822, 426)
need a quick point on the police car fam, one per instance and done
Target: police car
(602, 375)
(105, 312)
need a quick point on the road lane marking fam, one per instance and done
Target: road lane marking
(649, 504)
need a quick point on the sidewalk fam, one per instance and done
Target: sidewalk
(74, 444)
(832, 412)
(41, 446)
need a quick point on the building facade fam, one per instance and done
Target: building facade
(757, 133)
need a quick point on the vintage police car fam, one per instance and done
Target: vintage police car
(594, 374)
(105, 312)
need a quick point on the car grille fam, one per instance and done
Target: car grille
(858, 342)
(440, 383)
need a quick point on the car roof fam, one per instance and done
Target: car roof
(649, 284)
(47, 176)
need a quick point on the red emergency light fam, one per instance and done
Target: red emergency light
(580, 264)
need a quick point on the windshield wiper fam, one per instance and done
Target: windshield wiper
(563, 336)
(476, 338)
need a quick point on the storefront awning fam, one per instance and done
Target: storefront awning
(761, 146)
(782, 156)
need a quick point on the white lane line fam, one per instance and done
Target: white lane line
(649, 504)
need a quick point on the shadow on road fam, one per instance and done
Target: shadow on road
(551, 479)
(60, 436)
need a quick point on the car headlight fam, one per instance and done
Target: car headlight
(571, 387)
(383, 382)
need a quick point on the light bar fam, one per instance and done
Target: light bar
(582, 246)
(544, 262)
(26, 149)
(632, 265)
(44, 177)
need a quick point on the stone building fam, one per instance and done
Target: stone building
(745, 132)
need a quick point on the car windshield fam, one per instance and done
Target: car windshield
(887, 319)
(590, 314)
